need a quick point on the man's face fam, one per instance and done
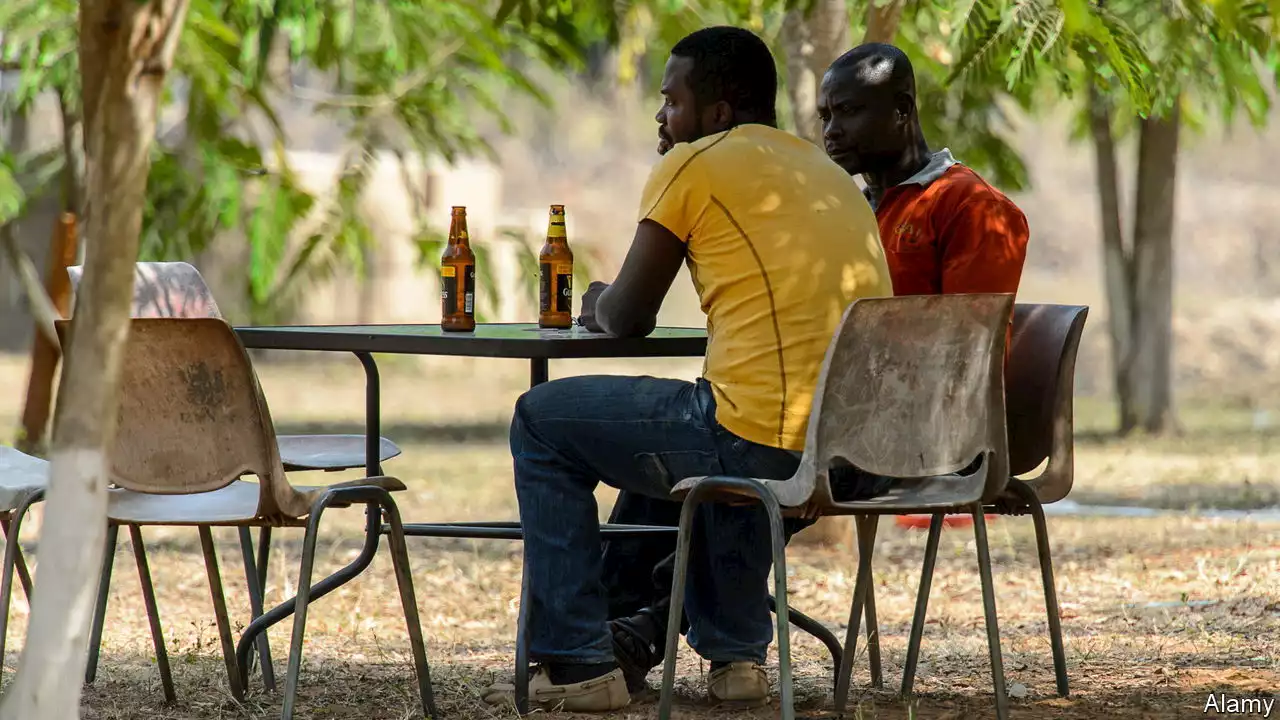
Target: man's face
(863, 129)
(679, 118)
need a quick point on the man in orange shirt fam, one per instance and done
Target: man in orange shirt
(944, 228)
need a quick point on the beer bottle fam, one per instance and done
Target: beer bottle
(458, 278)
(555, 262)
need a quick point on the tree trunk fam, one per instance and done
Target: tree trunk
(1150, 376)
(73, 175)
(45, 353)
(126, 49)
(883, 17)
(1117, 266)
(810, 44)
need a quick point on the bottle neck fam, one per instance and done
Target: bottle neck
(458, 234)
(555, 232)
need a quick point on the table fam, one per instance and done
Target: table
(507, 340)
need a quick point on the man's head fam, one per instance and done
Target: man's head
(867, 104)
(716, 78)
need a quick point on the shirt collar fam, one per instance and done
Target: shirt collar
(938, 164)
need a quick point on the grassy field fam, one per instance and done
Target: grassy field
(1158, 613)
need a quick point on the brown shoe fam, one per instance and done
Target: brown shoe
(602, 694)
(739, 684)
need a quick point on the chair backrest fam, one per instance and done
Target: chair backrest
(165, 290)
(192, 417)
(913, 388)
(1039, 387)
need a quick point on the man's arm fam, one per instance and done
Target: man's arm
(984, 247)
(629, 307)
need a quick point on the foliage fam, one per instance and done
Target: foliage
(1146, 54)
(408, 75)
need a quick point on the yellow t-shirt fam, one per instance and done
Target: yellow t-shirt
(780, 242)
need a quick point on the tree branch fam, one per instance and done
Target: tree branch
(42, 309)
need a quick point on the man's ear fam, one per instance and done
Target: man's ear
(904, 105)
(719, 116)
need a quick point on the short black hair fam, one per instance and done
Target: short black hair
(879, 64)
(733, 65)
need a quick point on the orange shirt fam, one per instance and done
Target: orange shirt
(945, 230)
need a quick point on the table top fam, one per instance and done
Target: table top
(496, 340)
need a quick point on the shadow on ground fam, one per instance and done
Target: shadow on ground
(128, 687)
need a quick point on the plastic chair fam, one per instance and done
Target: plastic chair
(192, 422)
(23, 480)
(177, 290)
(912, 388)
(1040, 380)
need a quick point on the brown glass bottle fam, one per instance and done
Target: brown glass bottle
(458, 278)
(555, 263)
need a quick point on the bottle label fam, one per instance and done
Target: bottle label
(544, 287)
(555, 293)
(448, 290)
(564, 287)
(556, 229)
(469, 290)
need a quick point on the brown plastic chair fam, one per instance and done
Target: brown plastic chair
(1040, 379)
(912, 388)
(23, 480)
(177, 290)
(192, 422)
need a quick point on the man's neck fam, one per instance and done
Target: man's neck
(747, 119)
(912, 161)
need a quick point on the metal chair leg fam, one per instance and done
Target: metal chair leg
(1028, 495)
(404, 580)
(24, 575)
(866, 546)
(254, 580)
(522, 647)
(264, 555)
(779, 549)
(922, 603)
(676, 612)
(989, 609)
(779, 543)
(220, 611)
(12, 555)
(100, 607)
(153, 612)
(869, 524)
(302, 600)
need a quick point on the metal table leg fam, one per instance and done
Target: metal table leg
(372, 415)
(537, 371)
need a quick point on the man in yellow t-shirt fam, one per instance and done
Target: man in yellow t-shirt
(778, 243)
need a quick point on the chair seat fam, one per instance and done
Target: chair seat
(233, 504)
(20, 474)
(329, 452)
(931, 494)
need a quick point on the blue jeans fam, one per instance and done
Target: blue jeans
(641, 435)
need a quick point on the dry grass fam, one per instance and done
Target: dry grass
(1126, 660)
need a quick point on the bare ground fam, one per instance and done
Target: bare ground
(1158, 613)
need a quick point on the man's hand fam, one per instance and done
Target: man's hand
(587, 318)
